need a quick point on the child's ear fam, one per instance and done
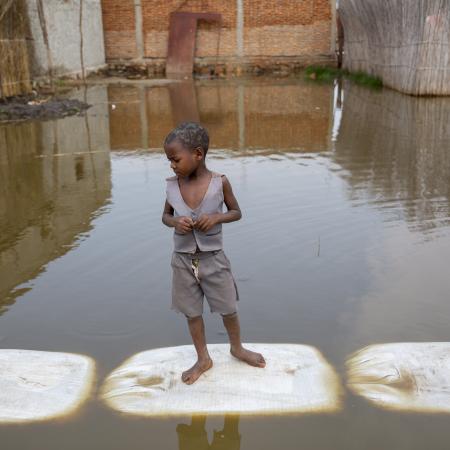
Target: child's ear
(199, 153)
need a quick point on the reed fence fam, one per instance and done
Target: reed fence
(404, 42)
(14, 55)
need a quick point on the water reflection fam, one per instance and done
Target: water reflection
(393, 152)
(390, 148)
(394, 149)
(195, 437)
(345, 271)
(55, 177)
(242, 115)
(183, 102)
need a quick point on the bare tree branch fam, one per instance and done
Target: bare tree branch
(80, 25)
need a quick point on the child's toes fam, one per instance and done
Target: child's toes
(185, 377)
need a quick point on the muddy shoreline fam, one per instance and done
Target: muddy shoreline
(19, 109)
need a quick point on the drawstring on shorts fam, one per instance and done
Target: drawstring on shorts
(195, 266)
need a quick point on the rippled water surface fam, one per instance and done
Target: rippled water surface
(344, 242)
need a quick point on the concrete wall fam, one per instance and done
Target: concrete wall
(252, 30)
(62, 20)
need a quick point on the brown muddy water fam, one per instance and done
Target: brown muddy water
(344, 242)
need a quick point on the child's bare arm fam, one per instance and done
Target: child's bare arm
(167, 216)
(206, 222)
(234, 212)
(181, 224)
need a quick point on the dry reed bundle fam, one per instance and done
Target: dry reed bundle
(404, 42)
(4, 8)
(14, 64)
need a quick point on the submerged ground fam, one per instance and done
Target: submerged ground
(344, 242)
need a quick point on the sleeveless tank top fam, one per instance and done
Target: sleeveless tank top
(212, 203)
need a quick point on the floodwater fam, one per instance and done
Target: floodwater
(344, 242)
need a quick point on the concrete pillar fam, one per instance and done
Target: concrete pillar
(139, 29)
(240, 28)
(333, 33)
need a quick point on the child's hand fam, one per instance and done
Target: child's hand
(183, 224)
(205, 223)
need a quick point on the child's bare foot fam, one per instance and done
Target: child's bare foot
(252, 358)
(191, 375)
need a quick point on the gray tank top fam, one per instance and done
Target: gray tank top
(212, 203)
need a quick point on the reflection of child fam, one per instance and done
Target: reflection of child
(228, 438)
(194, 203)
(194, 436)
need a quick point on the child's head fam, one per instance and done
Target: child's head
(186, 147)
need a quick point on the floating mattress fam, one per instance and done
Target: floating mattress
(37, 385)
(296, 379)
(404, 376)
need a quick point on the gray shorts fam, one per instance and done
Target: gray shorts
(203, 274)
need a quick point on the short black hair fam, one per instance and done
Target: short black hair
(191, 135)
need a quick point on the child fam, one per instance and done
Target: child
(195, 198)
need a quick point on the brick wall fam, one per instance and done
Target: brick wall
(119, 25)
(156, 26)
(271, 28)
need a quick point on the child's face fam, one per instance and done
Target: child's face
(182, 160)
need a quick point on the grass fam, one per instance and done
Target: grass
(319, 73)
(364, 79)
(328, 74)
(59, 82)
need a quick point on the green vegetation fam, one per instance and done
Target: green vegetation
(319, 73)
(328, 74)
(60, 82)
(364, 79)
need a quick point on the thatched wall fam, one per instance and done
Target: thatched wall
(14, 66)
(405, 42)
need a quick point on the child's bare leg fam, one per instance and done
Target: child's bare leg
(204, 362)
(231, 322)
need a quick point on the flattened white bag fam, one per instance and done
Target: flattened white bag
(296, 379)
(37, 385)
(403, 376)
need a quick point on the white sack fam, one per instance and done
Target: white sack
(404, 376)
(296, 379)
(37, 385)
